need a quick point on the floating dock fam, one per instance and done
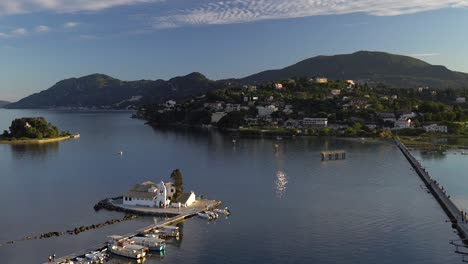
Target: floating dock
(171, 221)
(333, 155)
(453, 212)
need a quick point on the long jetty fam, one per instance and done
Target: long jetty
(453, 212)
(146, 230)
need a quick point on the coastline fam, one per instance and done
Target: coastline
(34, 141)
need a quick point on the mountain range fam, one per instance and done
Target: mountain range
(3, 103)
(376, 67)
(102, 91)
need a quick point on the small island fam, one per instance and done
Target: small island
(33, 130)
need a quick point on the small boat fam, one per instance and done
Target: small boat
(213, 214)
(224, 211)
(120, 153)
(234, 141)
(152, 243)
(279, 138)
(126, 248)
(167, 231)
(96, 257)
(205, 215)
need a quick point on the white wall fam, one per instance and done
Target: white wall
(139, 202)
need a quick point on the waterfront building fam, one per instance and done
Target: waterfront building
(460, 100)
(435, 128)
(150, 194)
(264, 111)
(315, 122)
(402, 123)
(186, 199)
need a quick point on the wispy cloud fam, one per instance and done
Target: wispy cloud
(241, 11)
(23, 32)
(9, 7)
(423, 54)
(71, 24)
(42, 29)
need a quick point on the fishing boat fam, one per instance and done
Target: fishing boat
(96, 257)
(205, 215)
(152, 243)
(224, 211)
(213, 214)
(167, 231)
(126, 248)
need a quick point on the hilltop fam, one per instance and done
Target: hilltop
(375, 67)
(105, 92)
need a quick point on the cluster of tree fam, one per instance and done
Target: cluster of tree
(176, 176)
(34, 128)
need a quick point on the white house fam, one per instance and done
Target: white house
(278, 86)
(170, 104)
(186, 199)
(435, 128)
(315, 122)
(232, 107)
(264, 111)
(321, 80)
(460, 100)
(402, 123)
(335, 92)
(150, 194)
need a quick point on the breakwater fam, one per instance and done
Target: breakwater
(456, 216)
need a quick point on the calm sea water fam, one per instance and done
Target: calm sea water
(288, 206)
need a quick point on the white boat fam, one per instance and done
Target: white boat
(204, 215)
(213, 214)
(126, 248)
(96, 257)
(224, 211)
(152, 243)
(167, 231)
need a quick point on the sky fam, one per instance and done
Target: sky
(45, 41)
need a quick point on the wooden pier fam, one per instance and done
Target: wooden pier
(333, 155)
(146, 230)
(453, 212)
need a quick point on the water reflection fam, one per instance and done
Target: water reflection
(436, 155)
(281, 182)
(33, 150)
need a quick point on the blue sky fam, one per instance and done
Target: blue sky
(45, 41)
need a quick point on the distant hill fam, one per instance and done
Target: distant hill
(379, 67)
(3, 103)
(102, 91)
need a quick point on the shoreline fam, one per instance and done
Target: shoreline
(35, 141)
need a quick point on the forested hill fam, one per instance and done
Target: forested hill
(378, 67)
(102, 91)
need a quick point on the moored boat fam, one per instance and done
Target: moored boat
(152, 243)
(205, 215)
(224, 211)
(167, 231)
(126, 248)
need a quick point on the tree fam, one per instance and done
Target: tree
(176, 176)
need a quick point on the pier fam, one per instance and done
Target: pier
(333, 155)
(453, 212)
(146, 230)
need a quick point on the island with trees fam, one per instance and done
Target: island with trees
(33, 130)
